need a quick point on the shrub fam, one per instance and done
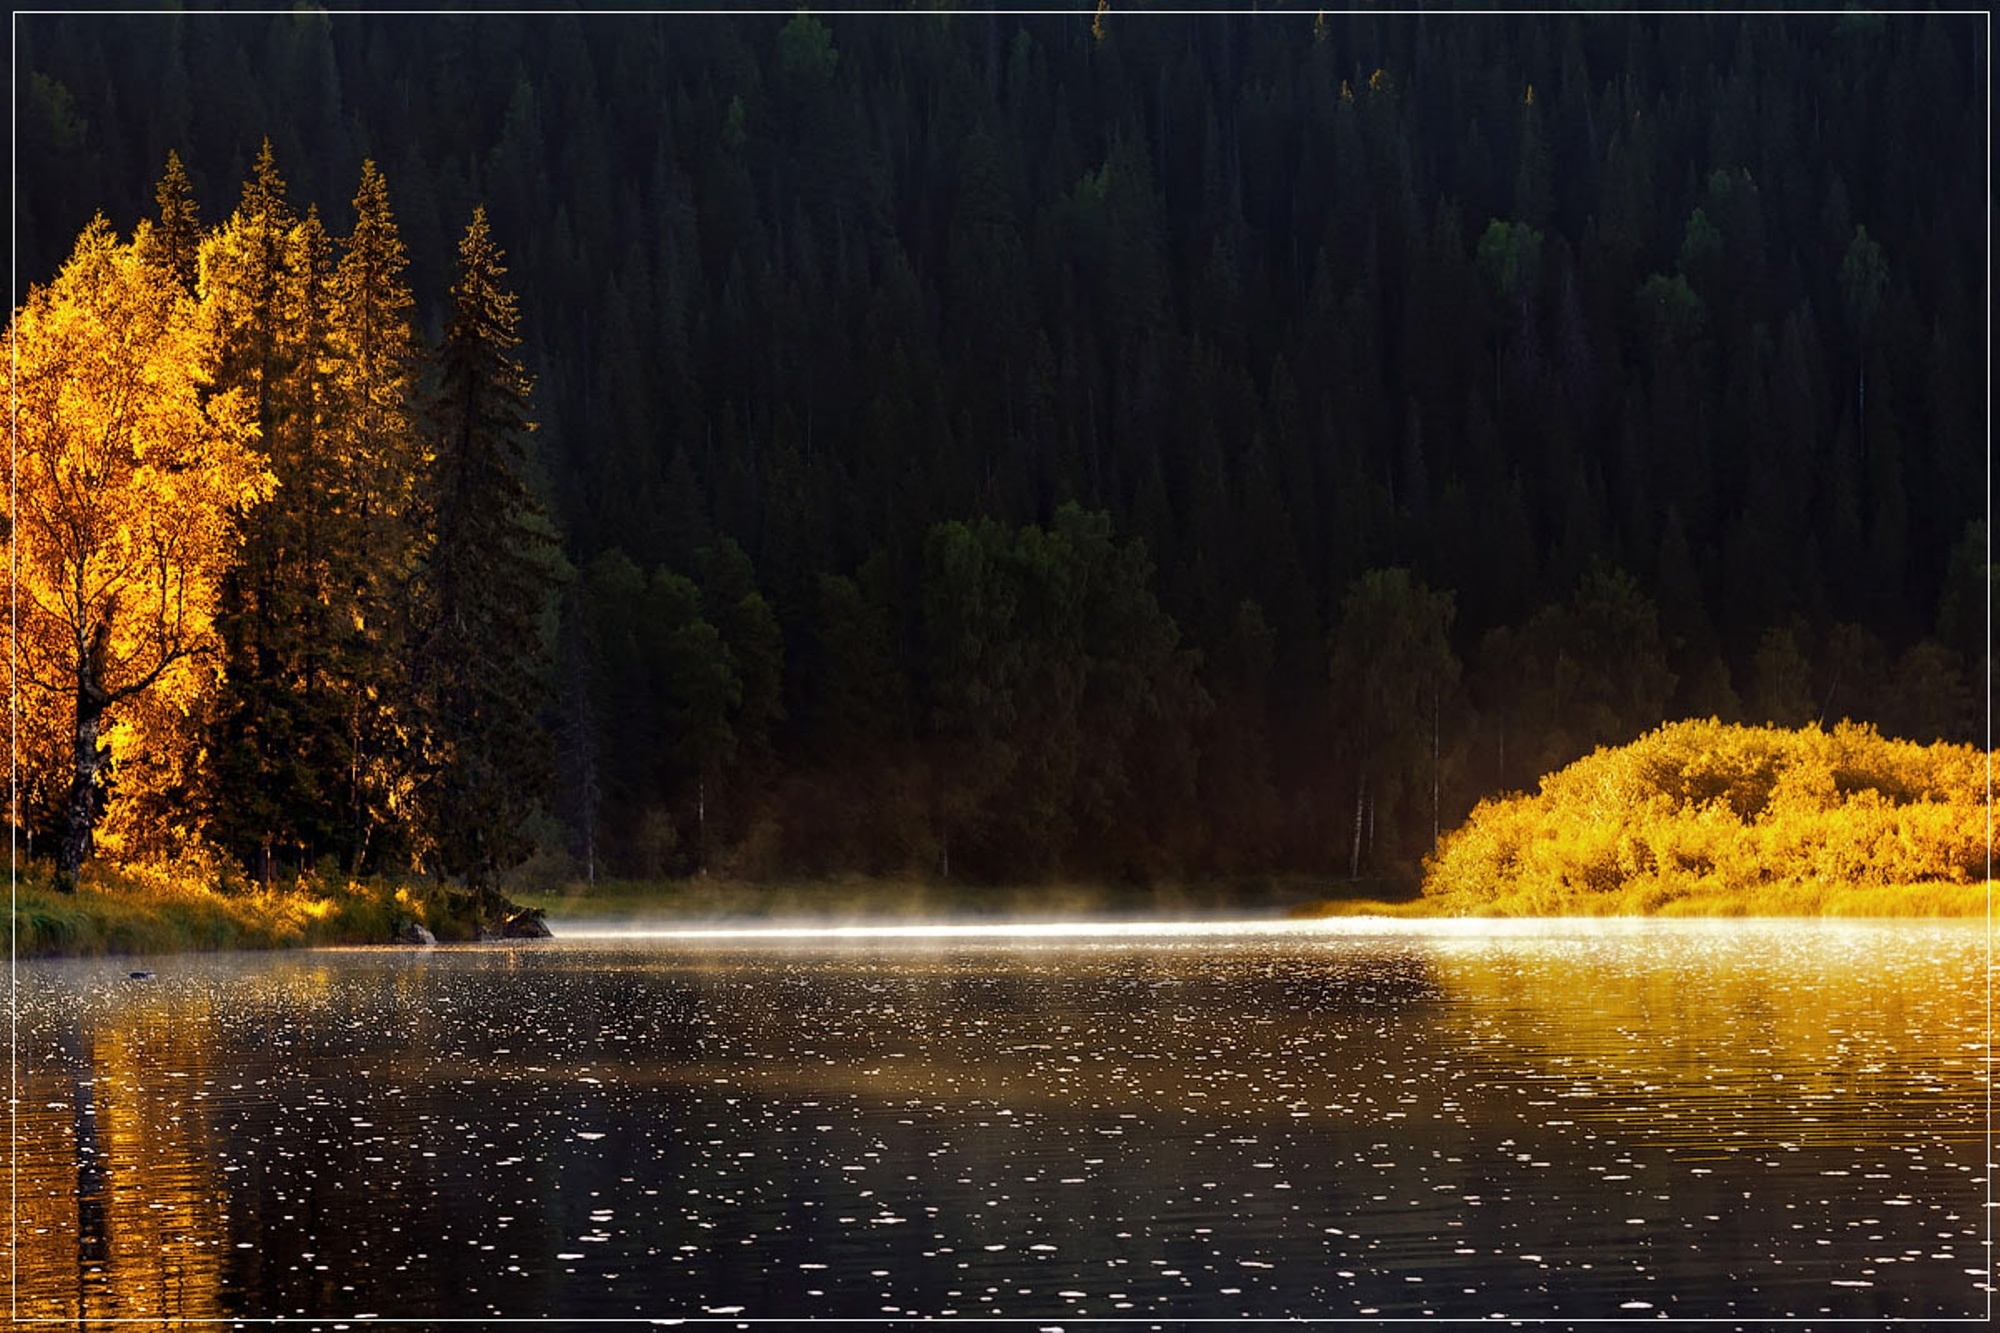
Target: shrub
(1706, 817)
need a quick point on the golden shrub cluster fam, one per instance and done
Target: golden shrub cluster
(1706, 817)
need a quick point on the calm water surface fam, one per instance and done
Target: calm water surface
(1566, 1120)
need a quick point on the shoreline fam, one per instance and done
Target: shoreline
(120, 914)
(129, 911)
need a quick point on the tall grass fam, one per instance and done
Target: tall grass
(195, 907)
(1702, 818)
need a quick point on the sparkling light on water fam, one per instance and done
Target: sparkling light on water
(1265, 1119)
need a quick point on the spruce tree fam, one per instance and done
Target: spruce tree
(310, 550)
(379, 449)
(479, 596)
(304, 749)
(174, 242)
(261, 780)
(242, 274)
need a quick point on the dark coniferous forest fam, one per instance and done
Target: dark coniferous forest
(1117, 446)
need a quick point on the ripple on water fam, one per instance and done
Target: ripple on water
(1565, 1122)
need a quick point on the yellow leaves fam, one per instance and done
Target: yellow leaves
(1804, 787)
(1703, 813)
(128, 483)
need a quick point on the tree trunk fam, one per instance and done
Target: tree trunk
(1861, 403)
(701, 828)
(1360, 804)
(1434, 764)
(81, 813)
(356, 802)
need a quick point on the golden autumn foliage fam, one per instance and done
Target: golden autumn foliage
(209, 678)
(130, 478)
(1710, 818)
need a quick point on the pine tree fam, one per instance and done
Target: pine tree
(304, 749)
(1392, 670)
(260, 788)
(242, 273)
(480, 593)
(379, 453)
(175, 238)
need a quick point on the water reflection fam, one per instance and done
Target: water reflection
(1869, 1024)
(1739, 1121)
(119, 1201)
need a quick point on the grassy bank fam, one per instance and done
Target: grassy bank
(1708, 819)
(132, 910)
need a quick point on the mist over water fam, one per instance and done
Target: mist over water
(615, 929)
(703, 905)
(1047, 1120)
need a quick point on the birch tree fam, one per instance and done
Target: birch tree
(129, 483)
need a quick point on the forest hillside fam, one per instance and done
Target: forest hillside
(985, 445)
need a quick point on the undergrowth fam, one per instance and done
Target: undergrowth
(196, 907)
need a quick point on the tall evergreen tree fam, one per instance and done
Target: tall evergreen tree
(379, 451)
(1393, 671)
(481, 592)
(261, 787)
(242, 276)
(175, 237)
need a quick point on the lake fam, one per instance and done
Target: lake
(1730, 1120)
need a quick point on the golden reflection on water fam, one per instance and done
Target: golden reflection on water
(1867, 1028)
(118, 1180)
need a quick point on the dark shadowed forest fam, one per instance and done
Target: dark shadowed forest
(999, 446)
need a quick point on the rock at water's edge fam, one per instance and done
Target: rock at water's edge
(526, 924)
(414, 932)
